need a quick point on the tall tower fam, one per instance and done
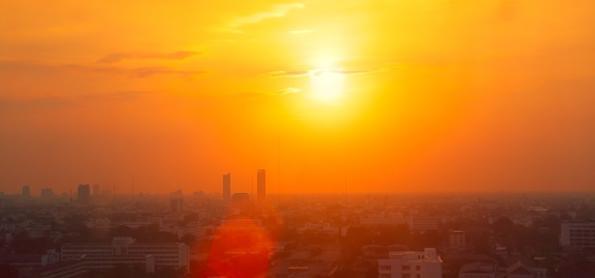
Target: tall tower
(261, 184)
(84, 193)
(26, 191)
(227, 186)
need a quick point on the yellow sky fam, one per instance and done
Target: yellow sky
(357, 95)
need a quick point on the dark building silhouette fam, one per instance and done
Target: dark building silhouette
(261, 184)
(240, 197)
(26, 191)
(227, 186)
(47, 193)
(84, 192)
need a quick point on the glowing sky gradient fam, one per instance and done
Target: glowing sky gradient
(427, 95)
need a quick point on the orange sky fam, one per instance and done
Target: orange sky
(426, 95)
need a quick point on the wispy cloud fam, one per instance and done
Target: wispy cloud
(118, 57)
(150, 71)
(277, 11)
(301, 73)
(282, 92)
(290, 91)
(29, 68)
(61, 101)
(290, 73)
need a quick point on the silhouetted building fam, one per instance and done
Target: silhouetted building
(26, 191)
(84, 193)
(227, 186)
(261, 184)
(47, 193)
(240, 197)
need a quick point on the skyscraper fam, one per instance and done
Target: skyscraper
(47, 193)
(261, 184)
(227, 186)
(26, 191)
(84, 192)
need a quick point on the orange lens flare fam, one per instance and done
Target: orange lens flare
(240, 248)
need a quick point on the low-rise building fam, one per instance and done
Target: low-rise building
(126, 251)
(411, 264)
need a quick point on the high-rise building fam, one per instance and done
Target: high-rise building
(261, 184)
(424, 264)
(47, 193)
(26, 191)
(84, 192)
(227, 186)
(577, 235)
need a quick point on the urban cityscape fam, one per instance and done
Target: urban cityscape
(297, 139)
(95, 233)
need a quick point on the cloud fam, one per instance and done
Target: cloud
(291, 73)
(150, 71)
(282, 92)
(277, 11)
(290, 91)
(118, 57)
(31, 68)
(62, 101)
(301, 73)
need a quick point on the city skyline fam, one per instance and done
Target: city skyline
(297, 139)
(369, 96)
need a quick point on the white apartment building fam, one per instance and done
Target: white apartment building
(577, 235)
(411, 264)
(125, 251)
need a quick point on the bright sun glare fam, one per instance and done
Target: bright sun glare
(326, 85)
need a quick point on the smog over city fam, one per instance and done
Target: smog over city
(289, 139)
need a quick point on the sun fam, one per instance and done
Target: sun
(327, 85)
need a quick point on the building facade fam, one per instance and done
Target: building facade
(126, 251)
(577, 235)
(411, 264)
(457, 240)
